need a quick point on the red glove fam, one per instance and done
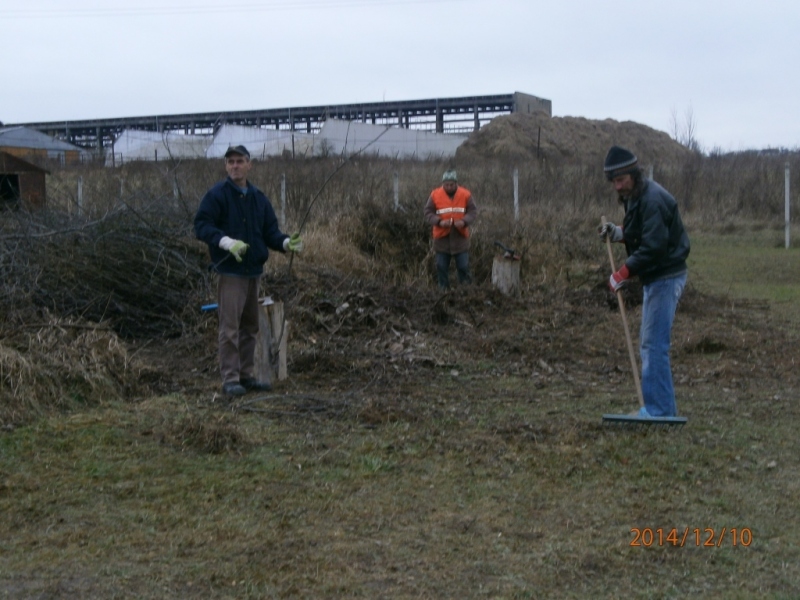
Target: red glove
(617, 280)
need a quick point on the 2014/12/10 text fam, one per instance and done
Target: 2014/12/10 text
(707, 537)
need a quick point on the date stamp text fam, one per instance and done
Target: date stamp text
(707, 537)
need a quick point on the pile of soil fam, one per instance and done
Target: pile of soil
(531, 137)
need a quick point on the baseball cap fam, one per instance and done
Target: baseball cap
(237, 150)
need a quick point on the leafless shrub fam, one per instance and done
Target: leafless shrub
(684, 129)
(131, 257)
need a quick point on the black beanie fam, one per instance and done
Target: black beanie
(619, 161)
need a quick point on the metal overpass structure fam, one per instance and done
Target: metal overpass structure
(442, 115)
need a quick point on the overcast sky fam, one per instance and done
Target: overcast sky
(731, 66)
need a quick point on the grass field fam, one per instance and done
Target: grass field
(750, 265)
(487, 475)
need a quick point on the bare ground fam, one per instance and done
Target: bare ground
(432, 446)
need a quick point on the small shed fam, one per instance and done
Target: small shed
(30, 144)
(21, 183)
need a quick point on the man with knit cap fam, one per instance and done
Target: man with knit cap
(450, 210)
(657, 247)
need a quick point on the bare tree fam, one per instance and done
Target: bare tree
(684, 129)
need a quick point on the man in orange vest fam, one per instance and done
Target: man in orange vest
(451, 210)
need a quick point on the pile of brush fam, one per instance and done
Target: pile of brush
(75, 289)
(140, 274)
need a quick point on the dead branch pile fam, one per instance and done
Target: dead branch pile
(141, 274)
(73, 288)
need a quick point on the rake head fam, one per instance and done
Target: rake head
(637, 423)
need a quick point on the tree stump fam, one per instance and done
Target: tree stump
(505, 275)
(273, 333)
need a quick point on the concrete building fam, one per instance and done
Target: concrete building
(136, 145)
(350, 137)
(461, 115)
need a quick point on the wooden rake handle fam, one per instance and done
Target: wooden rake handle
(631, 353)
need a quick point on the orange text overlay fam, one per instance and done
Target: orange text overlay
(707, 537)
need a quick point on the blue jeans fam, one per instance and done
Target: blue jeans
(443, 268)
(658, 313)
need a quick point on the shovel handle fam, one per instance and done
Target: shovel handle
(621, 302)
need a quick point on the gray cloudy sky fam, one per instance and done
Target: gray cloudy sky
(732, 65)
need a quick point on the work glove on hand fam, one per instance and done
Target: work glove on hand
(236, 247)
(617, 280)
(446, 223)
(613, 232)
(293, 244)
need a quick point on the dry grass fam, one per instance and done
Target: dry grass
(487, 475)
(62, 364)
(425, 446)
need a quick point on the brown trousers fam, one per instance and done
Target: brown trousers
(237, 299)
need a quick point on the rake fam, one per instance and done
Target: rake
(634, 421)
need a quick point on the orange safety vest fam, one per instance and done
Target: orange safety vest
(447, 208)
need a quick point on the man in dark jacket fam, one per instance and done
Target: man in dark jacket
(450, 210)
(238, 223)
(657, 247)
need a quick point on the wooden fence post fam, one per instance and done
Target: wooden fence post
(505, 275)
(80, 196)
(787, 210)
(271, 344)
(396, 190)
(283, 201)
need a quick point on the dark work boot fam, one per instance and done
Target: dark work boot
(233, 388)
(252, 385)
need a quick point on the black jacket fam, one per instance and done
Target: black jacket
(654, 235)
(226, 211)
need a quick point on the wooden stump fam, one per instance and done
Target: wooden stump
(505, 275)
(273, 332)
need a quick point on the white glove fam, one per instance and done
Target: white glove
(236, 247)
(293, 244)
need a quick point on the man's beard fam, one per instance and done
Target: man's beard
(629, 195)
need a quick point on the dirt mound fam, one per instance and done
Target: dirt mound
(572, 139)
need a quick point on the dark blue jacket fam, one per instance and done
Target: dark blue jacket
(226, 211)
(655, 238)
